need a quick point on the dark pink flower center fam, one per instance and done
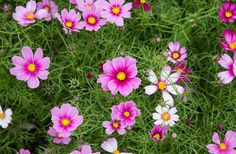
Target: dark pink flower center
(116, 10)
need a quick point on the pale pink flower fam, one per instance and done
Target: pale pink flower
(87, 5)
(176, 53)
(111, 146)
(25, 16)
(50, 7)
(85, 149)
(23, 151)
(30, 67)
(115, 125)
(5, 117)
(229, 43)
(57, 136)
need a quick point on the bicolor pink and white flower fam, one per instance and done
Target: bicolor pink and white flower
(69, 20)
(50, 7)
(165, 116)
(158, 133)
(5, 117)
(115, 11)
(85, 149)
(176, 53)
(87, 5)
(230, 40)
(115, 125)
(28, 15)
(57, 136)
(183, 71)
(166, 84)
(66, 119)
(223, 147)
(120, 76)
(111, 146)
(227, 12)
(230, 65)
(143, 3)
(126, 113)
(31, 67)
(23, 151)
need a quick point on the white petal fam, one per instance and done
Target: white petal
(152, 77)
(125, 153)
(175, 89)
(110, 145)
(171, 123)
(159, 109)
(156, 116)
(8, 112)
(151, 89)
(158, 122)
(165, 72)
(225, 77)
(4, 124)
(175, 117)
(173, 78)
(173, 110)
(168, 99)
(0, 109)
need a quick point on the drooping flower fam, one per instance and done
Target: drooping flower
(115, 125)
(66, 119)
(5, 117)
(115, 11)
(227, 12)
(146, 6)
(230, 41)
(183, 71)
(230, 65)
(111, 146)
(90, 75)
(220, 126)
(85, 149)
(25, 16)
(6, 8)
(176, 53)
(120, 76)
(158, 133)
(30, 67)
(50, 7)
(126, 112)
(69, 20)
(165, 116)
(166, 85)
(23, 151)
(58, 138)
(87, 5)
(188, 122)
(223, 147)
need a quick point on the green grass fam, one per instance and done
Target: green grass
(192, 22)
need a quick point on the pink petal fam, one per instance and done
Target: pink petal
(216, 138)
(136, 4)
(127, 7)
(225, 61)
(146, 7)
(45, 63)
(31, 6)
(225, 77)
(113, 86)
(27, 53)
(42, 74)
(213, 148)
(119, 21)
(40, 14)
(125, 89)
(230, 138)
(33, 82)
(38, 54)
(18, 61)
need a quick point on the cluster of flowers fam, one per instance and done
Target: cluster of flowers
(228, 14)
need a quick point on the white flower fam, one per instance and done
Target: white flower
(165, 116)
(111, 146)
(5, 117)
(166, 85)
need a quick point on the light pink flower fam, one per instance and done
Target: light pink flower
(230, 41)
(58, 138)
(120, 76)
(87, 5)
(176, 52)
(23, 151)
(28, 15)
(111, 146)
(30, 67)
(225, 147)
(227, 12)
(230, 64)
(69, 20)
(126, 112)
(85, 149)
(158, 133)
(66, 119)
(114, 125)
(50, 7)
(115, 11)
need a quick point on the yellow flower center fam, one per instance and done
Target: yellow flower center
(165, 116)
(65, 122)
(91, 20)
(69, 24)
(162, 85)
(126, 114)
(143, 1)
(156, 136)
(116, 10)
(30, 16)
(228, 14)
(2, 115)
(180, 71)
(222, 146)
(59, 135)
(89, 7)
(121, 76)
(115, 124)
(47, 8)
(232, 46)
(31, 67)
(116, 152)
(175, 55)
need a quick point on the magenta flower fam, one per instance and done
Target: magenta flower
(115, 11)
(69, 20)
(230, 64)
(227, 12)
(176, 53)
(183, 71)
(58, 138)
(28, 15)
(92, 20)
(66, 119)
(146, 6)
(87, 5)
(115, 125)
(230, 41)
(225, 147)
(50, 7)
(30, 67)
(120, 76)
(23, 151)
(85, 149)
(158, 133)
(126, 112)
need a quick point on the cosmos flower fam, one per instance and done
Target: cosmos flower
(111, 146)
(87, 5)
(146, 6)
(57, 136)
(5, 117)
(50, 7)
(30, 67)
(115, 125)
(25, 16)
(183, 71)
(23, 151)
(227, 12)
(176, 53)
(120, 76)
(6, 8)
(230, 41)
(85, 149)
(158, 133)
(223, 147)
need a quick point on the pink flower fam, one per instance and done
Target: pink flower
(50, 7)
(28, 15)
(87, 5)
(120, 76)
(114, 125)
(66, 119)
(225, 147)
(176, 52)
(183, 71)
(6, 8)
(158, 133)
(30, 67)
(92, 20)
(230, 41)
(69, 20)
(58, 138)
(126, 112)
(85, 149)
(230, 64)
(23, 151)
(227, 12)
(115, 11)
(144, 3)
